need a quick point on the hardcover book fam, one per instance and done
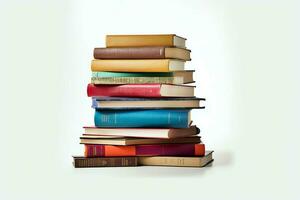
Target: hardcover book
(140, 90)
(146, 103)
(98, 150)
(86, 139)
(142, 53)
(142, 132)
(134, 65)
(169, 40)
(83, 162)
(178, 77)
(166, 118)
(195, 161)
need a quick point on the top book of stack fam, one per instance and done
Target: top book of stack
(167, 40)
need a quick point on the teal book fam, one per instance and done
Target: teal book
(166, 118)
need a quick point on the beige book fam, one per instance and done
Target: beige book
(176, 161)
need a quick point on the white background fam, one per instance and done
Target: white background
(246, 58)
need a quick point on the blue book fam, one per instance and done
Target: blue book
(167, 118)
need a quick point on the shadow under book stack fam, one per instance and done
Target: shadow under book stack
(142, 105)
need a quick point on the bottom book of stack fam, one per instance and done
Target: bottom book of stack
(131, 161)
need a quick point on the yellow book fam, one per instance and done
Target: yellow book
(170, 40)
(147, 65)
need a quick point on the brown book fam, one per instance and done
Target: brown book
(90, 139)
(83, 162)
(142, 53)
(195, 161)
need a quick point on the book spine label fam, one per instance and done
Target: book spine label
(105, 162)
(121, 65)
(163, 118)
(137, 80)
(130, 53)
(134, 90)
(145, 150)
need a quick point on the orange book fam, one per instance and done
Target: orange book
(147, 65)
(170, 40)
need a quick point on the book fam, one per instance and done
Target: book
(142, 53)
(195, 161)
(146, 103)
(142, 132)
(145, 65)
(98, 150)
(140, 90)
(165, 118)
(170, 40)
(178, 77)
(83, 162)
(85, 139)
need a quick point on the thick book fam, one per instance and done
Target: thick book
(98, 150)
(86, 139)
(170, 40)
(147, 103)
(84, 162)
(140, 65)
(142, 53)
(178, 77)
(140, 90)
(165, 118)
(174, 161)
(142, 132)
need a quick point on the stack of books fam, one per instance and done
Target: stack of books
(142, 96)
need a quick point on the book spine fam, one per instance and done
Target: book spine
(145, 150)
(130, 53)
(133, 90)
(105, 162)
(164, 118)
(149, 65)
(137, 80)
(139, 40)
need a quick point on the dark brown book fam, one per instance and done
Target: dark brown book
(142, 53)
(83, 162)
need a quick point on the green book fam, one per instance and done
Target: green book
(178, 77)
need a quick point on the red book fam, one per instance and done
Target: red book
(98, 150)
(140, 90)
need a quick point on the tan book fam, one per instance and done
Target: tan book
(177, 161)
(137, 65)
(86, 139)
(170, 40)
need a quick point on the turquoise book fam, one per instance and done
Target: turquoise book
(165, 118)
